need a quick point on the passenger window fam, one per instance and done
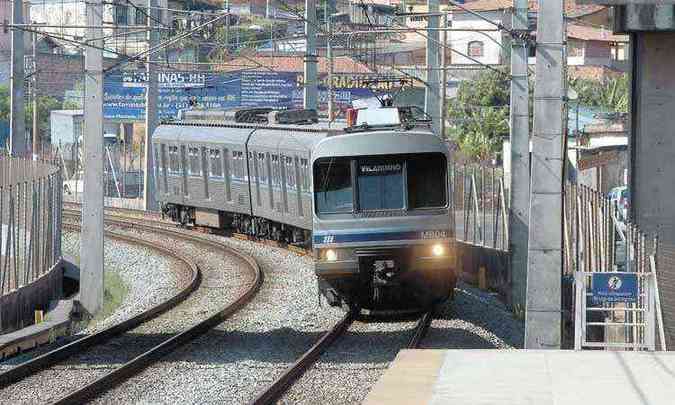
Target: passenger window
(164, 158)
(215, 163)
(262, 168)
(290, 172)
(193, 158)
(174, 165)
(276, 178)
(304, 173)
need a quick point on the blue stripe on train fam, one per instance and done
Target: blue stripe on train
(325, 238)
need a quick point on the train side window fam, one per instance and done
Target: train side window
(276, 178)
(215, 163)
(174, 165)
(237, 164)
(304, 174)
(262, 167)
(290, 172)
(193, 158)
(162, 155)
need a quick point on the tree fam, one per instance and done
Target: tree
(45, 105)
(479, 115)
(610, 94)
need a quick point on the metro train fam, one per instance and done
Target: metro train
(370, 198)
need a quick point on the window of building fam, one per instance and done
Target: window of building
(290, 172)
(475, 49)
(174, 160)
(121, 14)
(193, 157)
(215, 163)
(141, 17)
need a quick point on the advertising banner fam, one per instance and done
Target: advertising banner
(124, 92)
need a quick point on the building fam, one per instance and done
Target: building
(591, 43)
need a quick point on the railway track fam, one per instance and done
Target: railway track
(140, 359)
(275, 390)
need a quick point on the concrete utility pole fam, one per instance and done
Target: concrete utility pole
(17, 136)
(151, 116)
(519, 179)
(36, 136)
(329, 55)
(91, 248)
(311, 91)
(432, 94)
(444, 79)
(544, 270)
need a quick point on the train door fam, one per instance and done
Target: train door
(268, 165)
(205, 172)
(184, 169)
(227, 173)
(253, 157)
(298, 184)
(284, 183)
(164, 164)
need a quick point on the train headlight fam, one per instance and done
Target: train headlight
(331, 255)
(438, 250)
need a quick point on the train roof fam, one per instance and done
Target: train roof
(381, 142)
(293, 137)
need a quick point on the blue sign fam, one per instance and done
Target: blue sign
(124, 92)
(614, 287)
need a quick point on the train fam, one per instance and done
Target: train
(369, 197)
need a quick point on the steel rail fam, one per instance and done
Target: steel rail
(136, 365)
(421, 329)
(279, 386)
(46, 360)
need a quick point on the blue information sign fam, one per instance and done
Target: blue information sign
(614, 287)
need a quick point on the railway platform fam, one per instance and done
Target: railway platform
(515, 377)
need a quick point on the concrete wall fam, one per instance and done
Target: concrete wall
(652, 144)
(470, 260)
(17, 309)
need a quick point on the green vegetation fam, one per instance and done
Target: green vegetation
(45, 105)
(479, 115)
(114, 293)
(609, 95)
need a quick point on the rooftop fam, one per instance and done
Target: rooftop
(572, 8)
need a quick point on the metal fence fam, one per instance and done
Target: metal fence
(30, 218)
(479, 206)
(598, 240)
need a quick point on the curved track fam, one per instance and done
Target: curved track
(142, 360)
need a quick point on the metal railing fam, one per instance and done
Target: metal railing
(479, 206)
(30, 220)
(598, 240)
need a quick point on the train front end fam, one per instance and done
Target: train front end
(382, 235)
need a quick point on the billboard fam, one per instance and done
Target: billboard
(124, 92)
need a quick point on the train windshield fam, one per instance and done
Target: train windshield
(400, 182)
(333, 185)
(381, 184)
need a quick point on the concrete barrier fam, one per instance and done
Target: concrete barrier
(475, 262)
(17, 308)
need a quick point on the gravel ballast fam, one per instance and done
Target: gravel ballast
(223, 279)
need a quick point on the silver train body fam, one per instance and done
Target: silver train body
(373, 205)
